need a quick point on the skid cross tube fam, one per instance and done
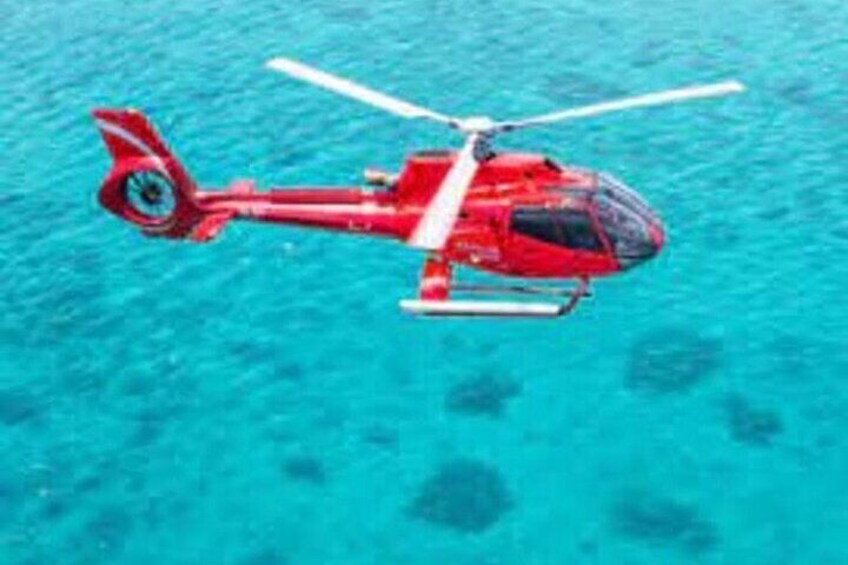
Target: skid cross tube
(515, 289)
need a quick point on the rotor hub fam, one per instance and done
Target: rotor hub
(476, 124)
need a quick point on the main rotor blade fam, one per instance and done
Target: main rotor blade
(352, 90)
(654, 99)
(436, 224)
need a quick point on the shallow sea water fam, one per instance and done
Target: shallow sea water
(261, 400)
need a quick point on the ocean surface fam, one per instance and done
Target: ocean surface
(261, 400)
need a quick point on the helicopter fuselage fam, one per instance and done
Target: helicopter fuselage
(524, 215)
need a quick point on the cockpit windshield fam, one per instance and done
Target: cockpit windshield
(617, 190)
(627, 220)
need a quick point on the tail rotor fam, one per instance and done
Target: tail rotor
(147, 185)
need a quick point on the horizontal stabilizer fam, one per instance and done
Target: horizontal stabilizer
(210, 226)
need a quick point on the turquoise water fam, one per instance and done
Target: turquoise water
(261, 399)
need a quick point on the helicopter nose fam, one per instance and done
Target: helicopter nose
(634, 230)
(640, 245)
(657, 233)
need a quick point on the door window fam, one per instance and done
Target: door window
(564, 227)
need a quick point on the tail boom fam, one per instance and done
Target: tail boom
(148, 187)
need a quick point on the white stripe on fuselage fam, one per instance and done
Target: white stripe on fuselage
(263, 208)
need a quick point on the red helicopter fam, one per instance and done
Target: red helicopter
(516, 214)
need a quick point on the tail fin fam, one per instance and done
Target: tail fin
(147, 185)
(127, 134)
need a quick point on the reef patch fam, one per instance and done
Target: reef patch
(381, 435)
(18, 407)
(464, 495)
(662, 521)
(572, 87)
(109, 527)
(750, 424)
(304, 468)
(264, 557)
(485, 395)
(671, 360)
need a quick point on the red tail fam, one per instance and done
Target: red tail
(127, 133)
(147, 185)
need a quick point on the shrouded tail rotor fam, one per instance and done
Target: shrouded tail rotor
(147, 185)
(150, 195)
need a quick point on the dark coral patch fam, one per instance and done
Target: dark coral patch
(109, 527)
(10, 497)
(264, 557)
(841, 232)
(464, 495)
(91, 483)
(346, 13)
(381, 435)
(145, 434)
(651, 53)
(573, 87)
(485, 395)
(793, 355)
(55, 508)
(589, 547)
(750, 424)
(305, 469)
(774, 213)
(18, 407)
(798, 92)
(723, 235)
(671, 360)
(292, 372)
(654, 519)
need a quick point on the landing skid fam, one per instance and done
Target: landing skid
(480, 308)
(445, 307)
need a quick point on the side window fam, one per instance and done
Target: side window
(567, 228)
(537, 223)
(578, 230)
